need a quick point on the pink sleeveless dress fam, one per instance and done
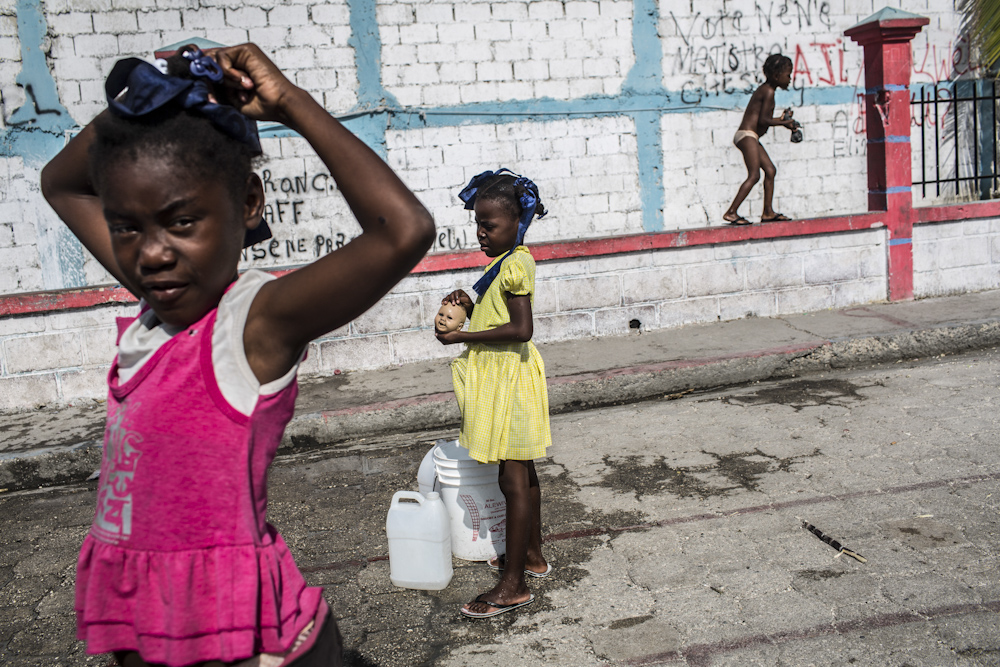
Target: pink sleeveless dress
(180, 564)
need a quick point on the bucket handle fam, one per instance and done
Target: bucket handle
(409, 495)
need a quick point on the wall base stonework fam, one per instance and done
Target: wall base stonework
(956, 257)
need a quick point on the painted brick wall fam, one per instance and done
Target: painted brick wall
(623, 111)
(471, 65)
(956, 257)
(443, 52)
(586, 169)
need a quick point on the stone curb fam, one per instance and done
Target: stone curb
(566, 394)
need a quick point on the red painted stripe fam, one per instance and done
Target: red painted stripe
(957, 212)
(660, 240)
(41, 302)
(57, 300)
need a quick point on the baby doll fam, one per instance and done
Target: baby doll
(450, 317)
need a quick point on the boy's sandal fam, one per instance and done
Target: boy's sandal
(740, 220)
(498, 608)
(778, 217)
(494, 564)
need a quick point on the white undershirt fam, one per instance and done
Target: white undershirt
(236, 380)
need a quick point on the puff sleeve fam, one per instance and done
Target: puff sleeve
(518, 274)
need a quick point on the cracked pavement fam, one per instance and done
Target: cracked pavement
(675, 527)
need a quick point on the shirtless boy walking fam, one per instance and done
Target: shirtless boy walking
(757, 119)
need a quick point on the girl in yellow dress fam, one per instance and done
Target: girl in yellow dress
(500, 379)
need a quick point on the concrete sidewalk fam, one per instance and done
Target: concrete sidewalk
(62, 444)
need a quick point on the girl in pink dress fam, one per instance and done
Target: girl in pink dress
(180, 566)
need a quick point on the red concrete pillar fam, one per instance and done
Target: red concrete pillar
(886, 37)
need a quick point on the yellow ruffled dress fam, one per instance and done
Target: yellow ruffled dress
(501, 386)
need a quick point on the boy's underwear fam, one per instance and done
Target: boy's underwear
(743, 134)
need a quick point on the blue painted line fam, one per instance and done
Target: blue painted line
(36, 131)
(649, 140)
(646, 76)
(663, 101)
(896, 190)
(367, 43)
(893, 242)
(891, 139)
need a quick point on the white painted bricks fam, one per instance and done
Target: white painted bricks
(592, 203)
(580, 45)
(956, 257)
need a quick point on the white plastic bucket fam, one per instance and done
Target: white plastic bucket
(426, 478)
(419, 535)
(474, 502)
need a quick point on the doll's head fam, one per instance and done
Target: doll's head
(450, 317)
(176, 185)
(778, 70)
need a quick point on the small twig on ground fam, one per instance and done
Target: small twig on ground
(841, 549)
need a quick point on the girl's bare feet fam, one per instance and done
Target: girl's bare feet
(502, 597)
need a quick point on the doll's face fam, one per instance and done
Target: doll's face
(449, 318)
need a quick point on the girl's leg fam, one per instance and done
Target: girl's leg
(511, 589)
(534, 561)
(769, 171)
(748, 146)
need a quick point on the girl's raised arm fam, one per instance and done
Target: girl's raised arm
(66, 186)
(396, 229)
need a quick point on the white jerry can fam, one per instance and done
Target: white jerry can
(419, 541)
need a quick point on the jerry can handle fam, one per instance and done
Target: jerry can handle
(409, 495)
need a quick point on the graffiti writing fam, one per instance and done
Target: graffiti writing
(723, 52)
(299, 233)
(793, 14)
(932, 64)
(724, 57)
(846, 140)
(692, 93)
(455, 239)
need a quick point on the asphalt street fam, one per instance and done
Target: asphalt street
(675, 526)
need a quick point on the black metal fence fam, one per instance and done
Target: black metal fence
(958, 129)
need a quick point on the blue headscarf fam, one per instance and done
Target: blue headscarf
(147, 89)
(529, 202)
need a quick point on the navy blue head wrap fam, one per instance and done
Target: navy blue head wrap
(147, 89)
(529, 202)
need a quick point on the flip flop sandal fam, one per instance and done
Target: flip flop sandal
(527, 572)
(740, 220)
(778, 217)
(500, 608)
